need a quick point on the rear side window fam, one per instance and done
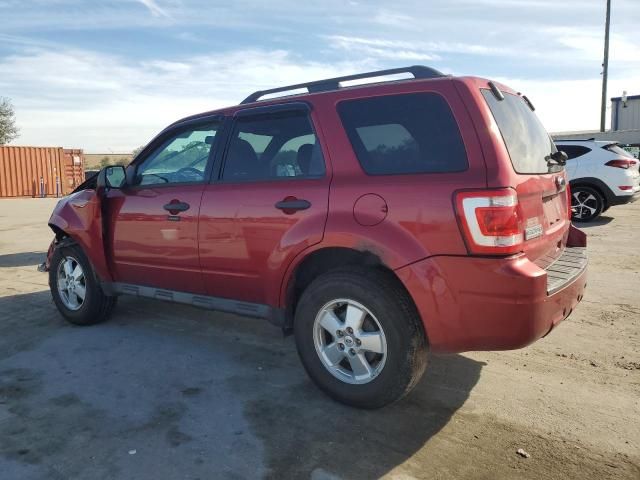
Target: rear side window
(410, 133)
(527, 142)
(573, 151)
(273, 146)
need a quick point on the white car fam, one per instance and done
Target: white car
(601, 175)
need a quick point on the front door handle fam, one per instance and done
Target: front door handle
(175, 206)
(292, 204)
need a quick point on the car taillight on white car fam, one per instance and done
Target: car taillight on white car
(491, 221)
(621, 163)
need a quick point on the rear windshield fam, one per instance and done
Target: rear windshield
(526, 139)
(612, 147)
(406, 133)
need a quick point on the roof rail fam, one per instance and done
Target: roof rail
(555, 140)
(418, 71)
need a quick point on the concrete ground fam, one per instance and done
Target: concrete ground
(166, 392)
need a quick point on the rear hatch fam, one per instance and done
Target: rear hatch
(540, 184)
(628, 164)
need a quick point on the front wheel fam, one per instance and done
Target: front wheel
(359, 337)
(586, 203)
(75, 289)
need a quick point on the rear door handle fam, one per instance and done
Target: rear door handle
(174, 207)
(293, 204)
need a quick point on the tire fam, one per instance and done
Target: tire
(587, 203)
(95, 307)
(390, 324)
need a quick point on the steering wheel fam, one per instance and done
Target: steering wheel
(190, 172)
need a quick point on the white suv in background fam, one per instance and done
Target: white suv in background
(601, 175)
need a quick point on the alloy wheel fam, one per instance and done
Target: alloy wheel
(349, 341)
(72, 285)
(584, 204)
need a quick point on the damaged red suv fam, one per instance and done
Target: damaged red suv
(377, 222)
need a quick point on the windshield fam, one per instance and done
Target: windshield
(527, 141)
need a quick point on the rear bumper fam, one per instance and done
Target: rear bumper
(622, 199)
(472, 303)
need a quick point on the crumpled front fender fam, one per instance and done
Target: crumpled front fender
(79, 215)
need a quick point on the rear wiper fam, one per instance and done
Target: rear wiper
(556, 158)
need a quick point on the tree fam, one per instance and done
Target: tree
(8, 129)
(136, 151)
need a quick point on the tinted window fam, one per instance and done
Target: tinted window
(573, 151)
(182, 158)
(526, 139)
(612, 147)
(412, 133)
(273, 146)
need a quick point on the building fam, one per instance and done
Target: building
(625, 113)
(625, 125)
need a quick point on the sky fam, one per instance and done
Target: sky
(107, 76)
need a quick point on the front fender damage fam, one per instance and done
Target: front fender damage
(79, 217)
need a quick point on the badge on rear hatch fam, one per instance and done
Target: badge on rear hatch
(533, 229)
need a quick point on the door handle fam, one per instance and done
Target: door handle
(174, 207)
(290, 205)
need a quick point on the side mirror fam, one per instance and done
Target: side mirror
(111, 177)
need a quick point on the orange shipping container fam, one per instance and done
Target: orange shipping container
(39, 171)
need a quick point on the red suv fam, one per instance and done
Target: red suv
(376, 222)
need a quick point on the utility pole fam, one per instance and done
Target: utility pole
(605, 68)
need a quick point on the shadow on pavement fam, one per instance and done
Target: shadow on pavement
(193, 394)
(23, 259)
(601, 220)
(306, 435)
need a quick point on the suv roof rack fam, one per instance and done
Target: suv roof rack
(574, 139)
(418, 71)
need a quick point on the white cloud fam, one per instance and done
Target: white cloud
(403, 50)
(154, 8)
(82, 99)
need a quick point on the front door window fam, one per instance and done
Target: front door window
(182, 158)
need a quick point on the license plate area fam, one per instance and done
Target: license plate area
(553, 209)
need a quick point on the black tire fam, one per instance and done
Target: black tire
(406, 345)
(593, 203)
(96, 306)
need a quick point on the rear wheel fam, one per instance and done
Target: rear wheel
(586, 203)
(75, 289)
(360, 338)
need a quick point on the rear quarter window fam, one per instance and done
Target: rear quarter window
(403, 134)
(573, 151)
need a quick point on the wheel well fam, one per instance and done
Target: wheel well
(605, 202)
(323, 261)
(59, 233)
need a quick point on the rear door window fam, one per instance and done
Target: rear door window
(402, 134)
(527, 141)
(273, 146)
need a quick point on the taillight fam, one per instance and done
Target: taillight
(569, 209)
(491, 221)
(621, 163)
